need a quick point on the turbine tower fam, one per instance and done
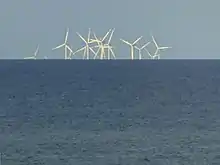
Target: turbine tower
(132, 45)
(140, 49)
(86, 48)
(66, 47)
(34, 57)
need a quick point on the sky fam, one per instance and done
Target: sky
(191, 27)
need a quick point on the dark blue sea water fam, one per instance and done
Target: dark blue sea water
(161, 112)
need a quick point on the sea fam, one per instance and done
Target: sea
(110, 112)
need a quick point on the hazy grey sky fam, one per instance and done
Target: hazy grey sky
(191, 27)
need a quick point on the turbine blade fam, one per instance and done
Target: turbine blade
(109, 40)
(93, 41)
(59, 46)
(95, 37)
(125, 42)
(96, 54)
(113, 54)
(145, 45)
(81, 37)
(92, 50)
(97, 40)
(136, 47)
(81, 49)
(89, 33)
(154, 41)
(137, 40)
(66, 37)
(71, 51)
(69, 48)
(148, 52)
(36, 51)
(164, 47)
(106, 35)
(28, 57)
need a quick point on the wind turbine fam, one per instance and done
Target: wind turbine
(132, 45)
(34, 57)
(102, 45)
(64, 45)
(140, 49)
(86, 48)
(158, 48)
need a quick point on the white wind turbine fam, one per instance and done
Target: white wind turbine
(132, 45)
(34, 57)
(66, 47)
(140, 49)
(159, 48)
(86, 48)
(102, 46)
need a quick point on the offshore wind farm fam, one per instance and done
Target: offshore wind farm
(109, 82)
(101, 48)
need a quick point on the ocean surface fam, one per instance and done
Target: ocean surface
(116, 112)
